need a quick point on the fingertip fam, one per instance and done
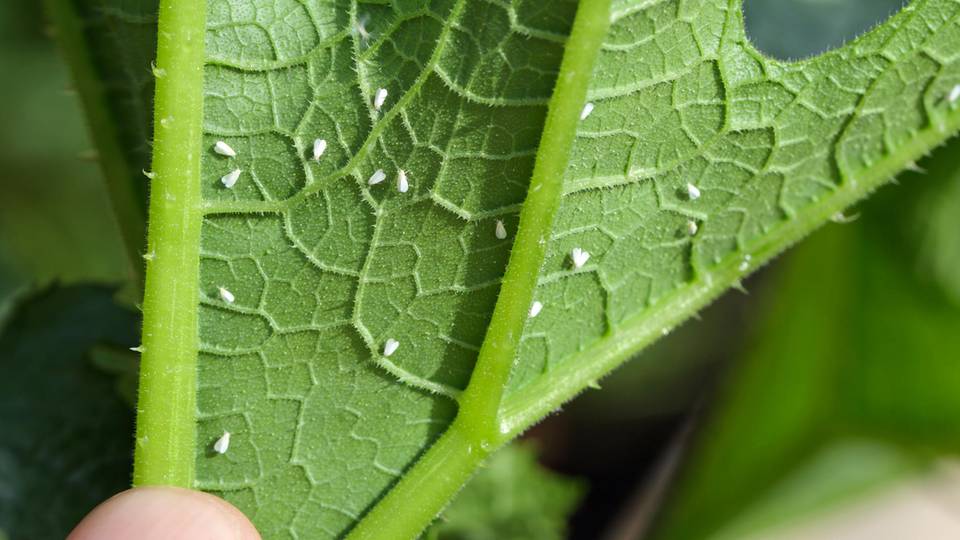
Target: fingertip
(154, 513)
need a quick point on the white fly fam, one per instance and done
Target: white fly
(390, 347)
(587, 109)
(230, 179)
(579, 257)
(402, 184)
(535, 308)
(222, 444)
(226, 295)
(377, 177)
(954, 94)
(692, 227)
(319, 147)
(379, 98)
(224, 149)
(693, 192)
(501, 230)
(362, 29)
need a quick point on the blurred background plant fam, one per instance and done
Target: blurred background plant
(824, 403)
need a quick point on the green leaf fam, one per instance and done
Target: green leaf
(50, 197)
(859, 343)
(124, 365)
(325, 268)
(64, 446)
(511, 498)
(108, 46)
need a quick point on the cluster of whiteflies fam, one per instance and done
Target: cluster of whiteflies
(578, 256)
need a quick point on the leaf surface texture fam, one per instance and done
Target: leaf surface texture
(701, 159)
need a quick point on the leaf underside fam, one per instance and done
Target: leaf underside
(325, 268)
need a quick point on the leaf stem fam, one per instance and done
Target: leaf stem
(480, 402)
(118, 173)
(420, 495)
(166, 407)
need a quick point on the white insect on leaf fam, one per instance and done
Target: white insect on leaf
(954, 94)
(390, 347)
(222, 444)
(579, 257)
(230, 179)
(402, 183)
(377, 177)
(692, 228)
(138, 349)
(585, 112)
(501, 230)
(361, 28)
(535, 308)
(745, 263)
(380, 98)
(224, 149)
(693, 192)
(319, 147)
(843, 219)
(226, 295)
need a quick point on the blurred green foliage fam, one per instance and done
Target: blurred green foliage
(55, 220)
(512, 498)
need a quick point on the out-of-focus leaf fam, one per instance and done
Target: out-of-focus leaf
(512, 498)
(122, 44)
(835, 475)
(902, 378)
(109, 47)
(66, 441)
(940, 252)
(55, 221)
(766, 421)
(792, 29)
(124, 365)
(858, 342)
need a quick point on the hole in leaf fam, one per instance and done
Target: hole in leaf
(792, 29)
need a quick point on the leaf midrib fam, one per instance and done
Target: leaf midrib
(475, 432)
(165, 449)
